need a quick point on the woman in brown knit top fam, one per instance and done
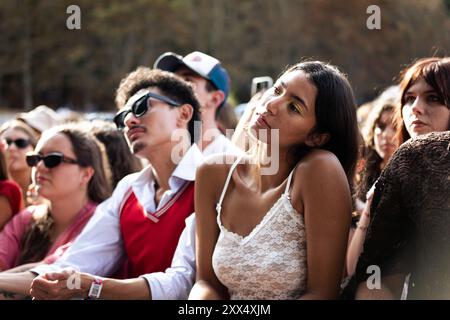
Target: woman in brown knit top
(410, 212)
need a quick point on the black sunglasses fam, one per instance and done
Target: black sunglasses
(51, 160)
(20, 143)
(140, 107)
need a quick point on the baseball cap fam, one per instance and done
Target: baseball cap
(206, 66)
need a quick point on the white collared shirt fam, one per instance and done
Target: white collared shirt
(175, 282)
(99, 249)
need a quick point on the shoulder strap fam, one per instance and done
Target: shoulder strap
(225, 187)
(288, 185)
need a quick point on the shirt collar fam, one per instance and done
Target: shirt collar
(188, 165)
(184, 171)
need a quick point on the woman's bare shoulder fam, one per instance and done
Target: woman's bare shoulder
(320, 165)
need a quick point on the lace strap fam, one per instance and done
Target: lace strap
(225, 187)
(286, 191)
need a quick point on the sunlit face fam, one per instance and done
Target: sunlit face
(16, 155)
(384, 136)
(288, 106)
(62, 181)
(423, 112)
(152, 130)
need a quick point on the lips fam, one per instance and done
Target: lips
(40, 179)
(133, 133)
(388, 146)
(263, 122)
(418, 123)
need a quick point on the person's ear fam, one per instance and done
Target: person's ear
(185, 114)
(317, 139)
(86, 175)
(217, 97)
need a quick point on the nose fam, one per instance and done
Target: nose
(41, 166)
(418, 106)
(273, 104)
(11, 146)
(131, 120)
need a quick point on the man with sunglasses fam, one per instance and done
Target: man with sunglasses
(211, 85)
(143, 219)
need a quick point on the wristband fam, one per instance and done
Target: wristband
(96, 288)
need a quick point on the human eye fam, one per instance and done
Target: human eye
(295, 108)
(277, 90)
(409, 99)
(434, 98)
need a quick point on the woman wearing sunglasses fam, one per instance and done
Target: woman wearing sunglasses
(70, 172)
(19, 139)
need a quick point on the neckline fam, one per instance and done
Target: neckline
(267, 216)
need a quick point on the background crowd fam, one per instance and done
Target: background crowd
(160, 201)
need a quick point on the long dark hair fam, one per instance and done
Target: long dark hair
(436, 73)
(335, 113)
(90, 153)
(121, 161)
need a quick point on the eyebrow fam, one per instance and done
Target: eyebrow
(295, 97)
(426, 92)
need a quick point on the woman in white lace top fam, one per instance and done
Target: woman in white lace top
(274, 225)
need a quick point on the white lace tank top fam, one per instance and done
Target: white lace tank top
(270, 262)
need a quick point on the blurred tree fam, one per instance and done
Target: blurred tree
(41, 61)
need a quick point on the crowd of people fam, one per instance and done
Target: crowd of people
(161, 203)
